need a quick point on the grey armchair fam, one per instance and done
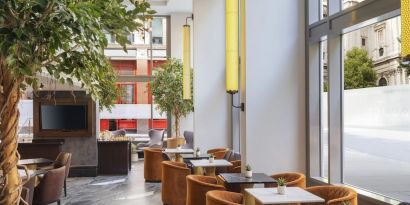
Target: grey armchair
(189, 138)
(156, 138)
(234, 158)
(118, 133)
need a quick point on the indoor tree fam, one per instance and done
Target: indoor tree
(358, 69)
(166, 88)
(64, 39)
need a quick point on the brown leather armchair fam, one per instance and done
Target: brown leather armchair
(223, 198)
(333, 195)
(218, 152)
(50, 188)
(198, 186)
(174, 182)
(152, 164)
(293, 179)
(63, 159)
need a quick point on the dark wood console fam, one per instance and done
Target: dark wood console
(40, 149)
(114, 157)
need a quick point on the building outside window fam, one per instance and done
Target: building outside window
(135, 110)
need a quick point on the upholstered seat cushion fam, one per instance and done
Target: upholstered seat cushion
(223, 198)
(152, 164)
(333, 195)
(174, 182)
(198, 186)
(293, 179)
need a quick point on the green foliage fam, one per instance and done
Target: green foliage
(325, 86)
(211, 156)
(66, 39)
(358, 71)
(166, 88)
(248, 167)
(281, 181)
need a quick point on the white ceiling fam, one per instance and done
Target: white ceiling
(165, 7)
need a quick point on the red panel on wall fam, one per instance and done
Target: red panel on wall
(104, 125)
(158, 124)
(124, 67)
(127, 124)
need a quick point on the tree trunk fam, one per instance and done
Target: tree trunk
(10, 184)
(177, 132)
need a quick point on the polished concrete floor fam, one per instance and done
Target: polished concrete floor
(114, 190)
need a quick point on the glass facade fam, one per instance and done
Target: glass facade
(363, 126)
(324, 128)
(376, 130)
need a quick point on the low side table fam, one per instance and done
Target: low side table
(265, 196)
(199, 165)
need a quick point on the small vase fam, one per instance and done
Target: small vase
(198, 153)
(211, 160)
(179, 148)
(282, 190)
(248, 174)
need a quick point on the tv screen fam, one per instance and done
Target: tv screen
(63, 117)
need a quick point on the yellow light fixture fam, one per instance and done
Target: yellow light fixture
(186, 62)
(232, 38)
(405, 29)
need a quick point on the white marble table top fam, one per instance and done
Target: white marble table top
(179, 151)
(293, 195)
(206, 163)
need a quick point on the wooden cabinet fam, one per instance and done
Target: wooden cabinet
(114, 157)
(46, 149)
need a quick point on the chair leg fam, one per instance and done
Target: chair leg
(58, 202)
(65, 188)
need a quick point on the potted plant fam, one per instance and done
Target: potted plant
(166, 88)
(211, 158)
(68, 44)
(197, 152)
(179, 147)
(281, 185)
(248, 171)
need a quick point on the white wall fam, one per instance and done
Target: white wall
(177, 22)
(275, 86)
(212, 106)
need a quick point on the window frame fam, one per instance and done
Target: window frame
(338, 22)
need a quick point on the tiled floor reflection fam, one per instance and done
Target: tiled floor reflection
(114, 190)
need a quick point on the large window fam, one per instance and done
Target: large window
(324, 128)
(376, 137)
(135, 110)
(361, 96)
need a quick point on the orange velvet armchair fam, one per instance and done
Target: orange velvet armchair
(174, 182)
(198, 186)
(223, 198)
(152, 164)
(333, 195)
(218, 152)
(293, 179)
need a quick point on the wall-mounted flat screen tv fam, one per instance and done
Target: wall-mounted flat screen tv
(63, 117)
